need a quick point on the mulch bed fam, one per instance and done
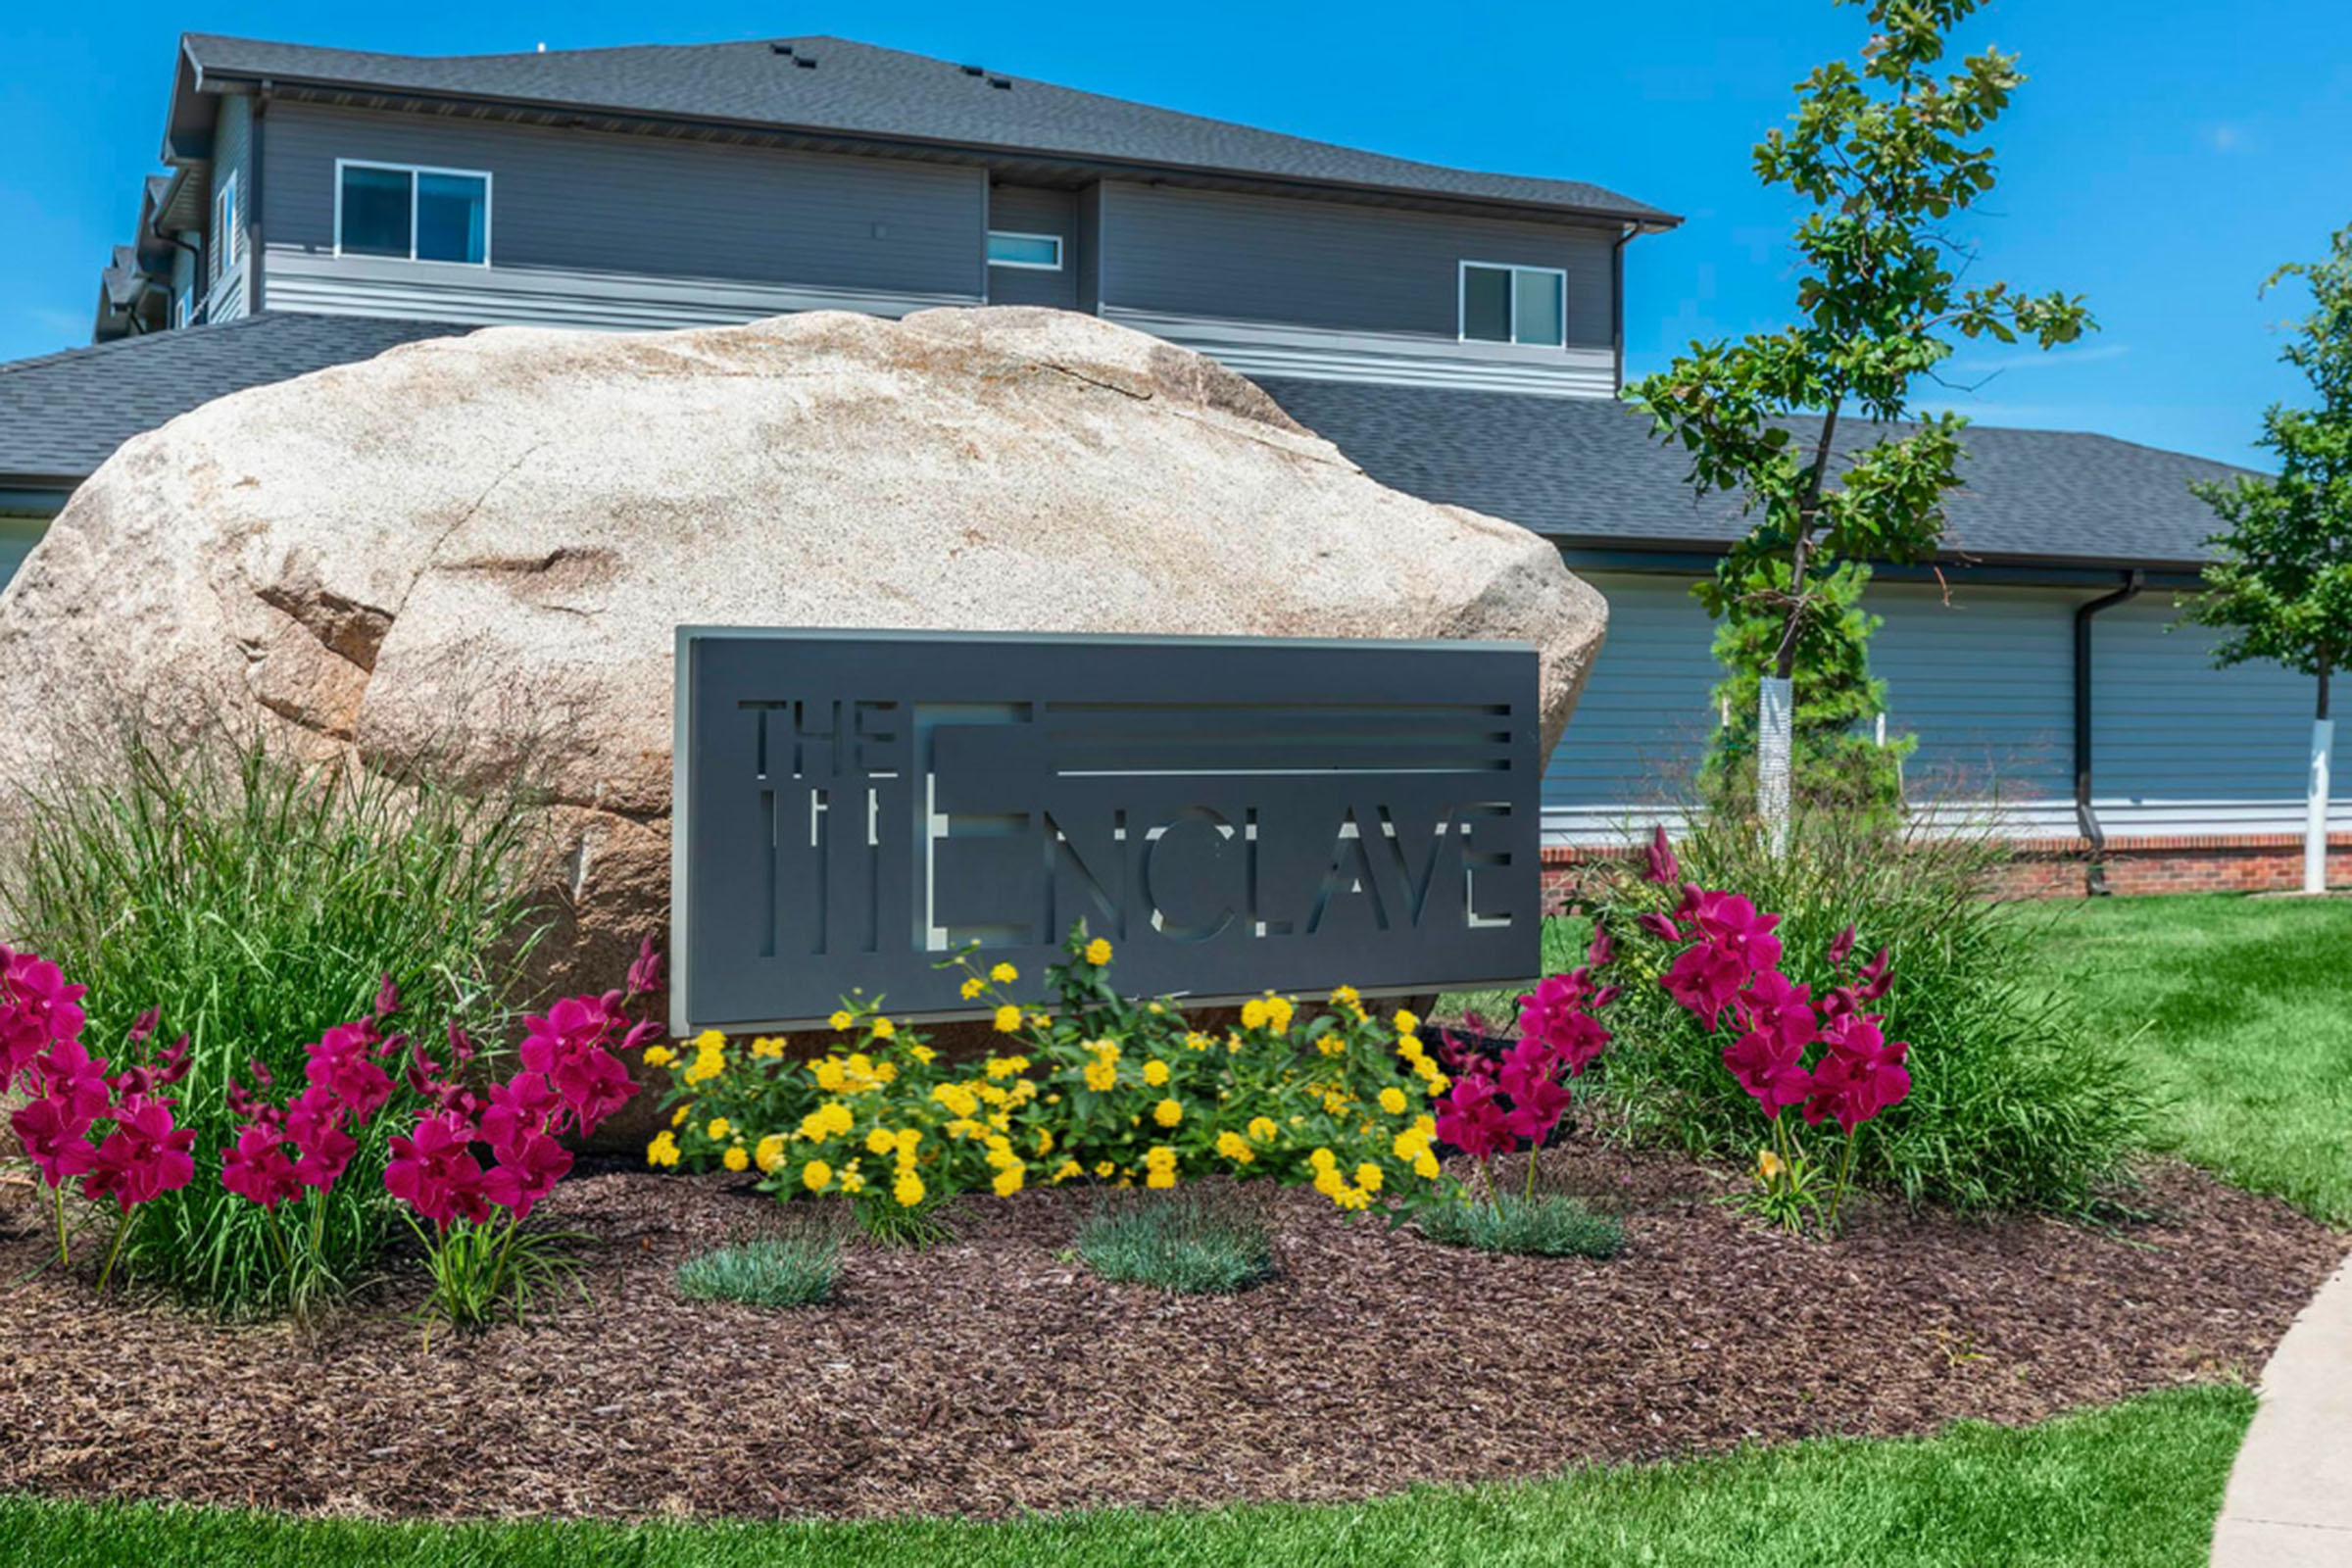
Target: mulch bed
(995, 1374)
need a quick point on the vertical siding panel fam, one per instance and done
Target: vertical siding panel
(1031, 210)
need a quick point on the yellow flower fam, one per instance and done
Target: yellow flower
(1351, 1197)
(1426, 1166)
(1159, 1156)
(1167, 1113)
(1235, 1147)
(973, 987)
(663, 1151)
(1344, 996)
(770, 1153)
(1008, 1180)
(1105, 1170)
(1324, 1162)
(841, 1021)
(880, 1140)
(907, 1190)
(851, 1181)
(1197, 1041)
(908, 1138)
(659, 1055)
(1003, 974)
(1368, 1176)
(1008, 1019)
(956, 1099)
(1155, 1072)
(1405, 1022)
(1262, 1129)
(1392, 1101)
(719, 1128)
(735, 1158)
(817, 1175)
(1160, 1178)
(921, 1053)
(1769, 1165)
(1101, 1075)
(1097, 953)
(1253, 1013)
(684, 1111)
(1067, 1169)
(1278, 1012)
(884, 1029)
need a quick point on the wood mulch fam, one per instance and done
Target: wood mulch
(995, 1374)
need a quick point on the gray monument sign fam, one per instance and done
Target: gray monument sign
(1236, 815)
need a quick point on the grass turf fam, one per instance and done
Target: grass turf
(2243, 1010)
(2136, 1484)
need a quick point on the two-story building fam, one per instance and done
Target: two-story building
(1460, 334)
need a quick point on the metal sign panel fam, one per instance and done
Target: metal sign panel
(1237, 814)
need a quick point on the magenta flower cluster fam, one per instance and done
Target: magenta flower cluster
(1729, 968)
(142, 1153)
(1559, 1037)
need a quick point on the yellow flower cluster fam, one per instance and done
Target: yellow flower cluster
(1417, 1057)
(1159, 1166)
(1413, 1147)
(1102, 1072)
(1270, 1012)
(1097, 953)
(663, 1151)
(710, 1058)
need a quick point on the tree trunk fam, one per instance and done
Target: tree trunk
(1776, 702)
(2314, 800)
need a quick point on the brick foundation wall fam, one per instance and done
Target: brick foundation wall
(2055, 868)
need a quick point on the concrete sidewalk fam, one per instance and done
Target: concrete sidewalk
(2290, 1502)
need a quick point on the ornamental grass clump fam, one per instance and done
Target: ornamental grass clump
(2019, 1104)
(1178, 1242)
(1540, 1225)
(779, 1271)
(258, 902)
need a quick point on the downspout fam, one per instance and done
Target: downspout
(254, 185)
(2086, 820)
(1617, 299)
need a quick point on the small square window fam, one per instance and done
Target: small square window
(1527, 305)
(1041, 252)
(453, 215)
(375, 210)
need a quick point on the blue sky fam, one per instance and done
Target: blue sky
(2163, 158)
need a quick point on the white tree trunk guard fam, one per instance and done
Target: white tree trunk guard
(1775, 705)
(2314, 808)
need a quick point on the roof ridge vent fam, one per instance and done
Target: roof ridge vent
(1001, 82)
(777, 46)
(804, 61)
(973, 70)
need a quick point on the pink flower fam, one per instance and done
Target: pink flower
(570, 1047)
(524, 1105)
(1662, 867)
(1469, 1119)
(37, 1010)
(528, 1170)
(258, 1169)
(1704, 979)
(1530, 1076)
(433, 1170)
(345, 1063)
(55, 1139)
(1771, 1070)
(76, 1080)
(314, 1124)
(144, 1157)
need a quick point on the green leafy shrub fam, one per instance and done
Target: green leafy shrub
(1186, 1243)
(2016, 1100)
(780, 1271)
(255, 902)
(1546, 1225)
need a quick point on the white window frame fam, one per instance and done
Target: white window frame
(489, 205)
(227, 244)
(1055, 266)
(183, 306)
(1461, 303)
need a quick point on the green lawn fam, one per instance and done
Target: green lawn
(2135, 1483)
(2243, 1010)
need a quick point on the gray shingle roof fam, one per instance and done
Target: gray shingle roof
(62, 415)
(860, 90)
(1586, 470)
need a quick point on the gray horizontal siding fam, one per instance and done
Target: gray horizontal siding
(1986, 683)
(1029, 209)
(1328, 264)
(225, 295)
(589, 216)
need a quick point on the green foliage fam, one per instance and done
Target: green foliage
(1546, 1225)
(1086, 1084)
(1835, 760)
(1186, 1242)
(2134, 1486)
(1886, 154)
(2281, 579)
(485, 1273)
(256, 901)
(779, 1271)
(2017, 1099)
(2234, 1008)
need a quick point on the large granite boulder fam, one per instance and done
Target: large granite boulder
(478, 547)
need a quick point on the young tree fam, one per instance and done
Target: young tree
(2280, 582)
(1886, 154)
